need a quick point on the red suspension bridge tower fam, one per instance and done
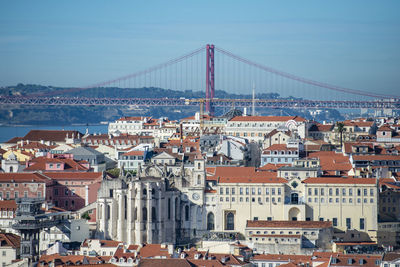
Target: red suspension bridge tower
(210, 79)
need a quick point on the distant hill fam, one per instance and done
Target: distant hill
(65, 115)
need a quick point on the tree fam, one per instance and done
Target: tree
(340, 129)
(85, 216)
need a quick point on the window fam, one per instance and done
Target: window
(15, 194)
(259, 191)
(273, 191)
(267, 191)
(221, 191)
(253, 191)
(233, 190)
(334, 221)
(247, 190)
(310, 191)
(371, 192)
(343, 191)
(279, 191)
(358, 192)
(227, 190)
(241, 190)
(365, 192)
(362, 223)
(348, 223)
(316, 191)
(350, 191)
(230, 221)
(322, 191)
(337, 191)
(330, 191)
(66, 192)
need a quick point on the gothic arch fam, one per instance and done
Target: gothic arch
(210, 221)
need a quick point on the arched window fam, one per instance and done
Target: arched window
(108, 212)
(186, 213)
(230, 221)
(294, 198)
(153, 214)
(144, 214)
(210, 221)
(176, 209)
(11, 169)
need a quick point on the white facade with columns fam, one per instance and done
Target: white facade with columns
(154, 207)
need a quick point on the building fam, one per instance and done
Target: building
(154, 206)
(9, 248)
(289, 237)
(254, 128)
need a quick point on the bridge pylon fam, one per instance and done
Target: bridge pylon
(210, 85)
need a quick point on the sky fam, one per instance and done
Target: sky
(73, 43)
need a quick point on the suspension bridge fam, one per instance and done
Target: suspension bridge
(214, 70)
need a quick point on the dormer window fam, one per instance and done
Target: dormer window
(350, 261)
(334, 260)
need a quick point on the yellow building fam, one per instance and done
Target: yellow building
(241, 194)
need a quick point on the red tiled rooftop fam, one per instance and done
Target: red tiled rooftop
(339, 180)
(8, 205)
(244, 175)
(134, 153)
(23, 177)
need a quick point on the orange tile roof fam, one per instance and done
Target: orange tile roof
(339, 180)
(376, 157)
(288, 224)
(244, 175)
(39, 163)
(283, 257)
(8, 205)
(134, 153)
(10, 240)
(164, 263)
(268, 118)
(103, 243)
(23, 177)
(50, 135)
(358, 123)
(272, 167)
(278, 147)
(152, 250)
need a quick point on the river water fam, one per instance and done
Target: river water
(8, 132)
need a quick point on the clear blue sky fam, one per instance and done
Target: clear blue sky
(354, 44)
